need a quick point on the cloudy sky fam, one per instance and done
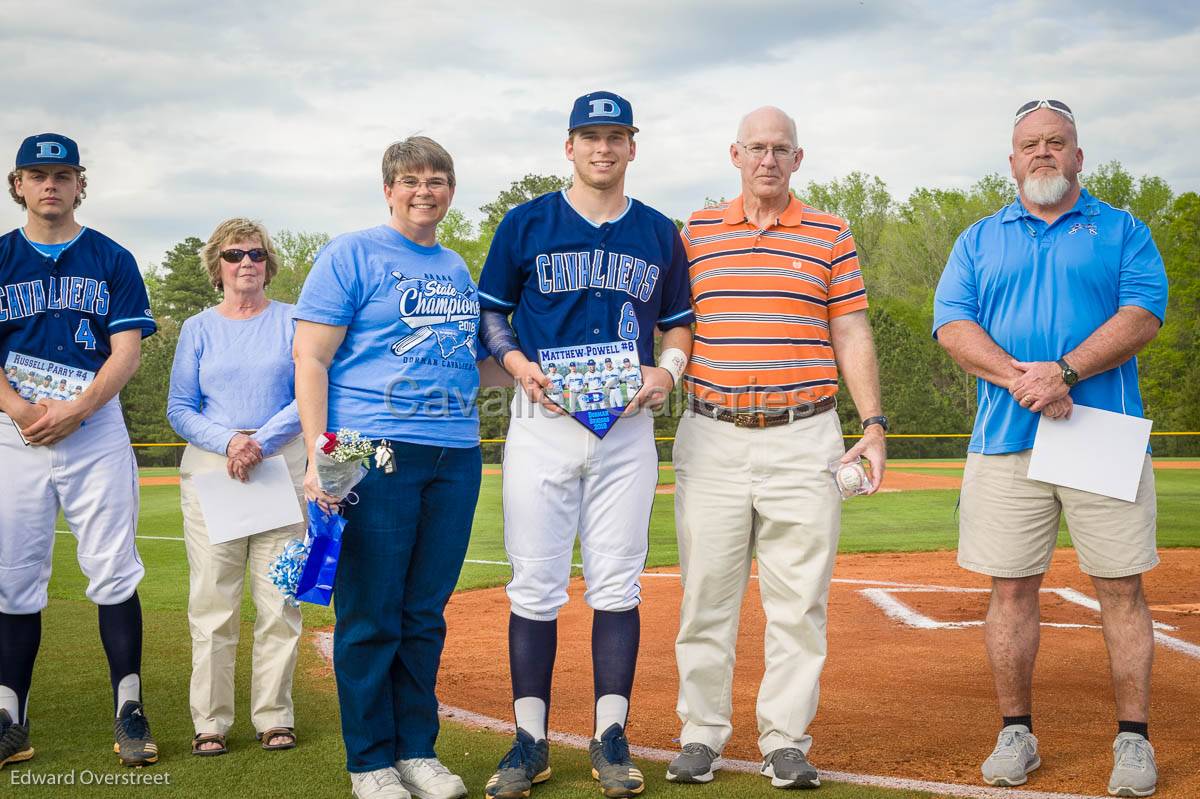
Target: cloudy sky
(188, 113)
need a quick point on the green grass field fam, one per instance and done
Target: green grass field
(71, 703)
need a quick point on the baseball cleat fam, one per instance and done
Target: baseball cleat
(525, 765)
(135, 745)
(1134, 770)
(695, 764)
(14, 741)
(611, 765)
(1013, 758)
(789, 768)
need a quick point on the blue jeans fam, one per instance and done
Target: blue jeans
(402, 552)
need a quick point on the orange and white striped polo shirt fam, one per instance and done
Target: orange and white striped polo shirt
(763, 300)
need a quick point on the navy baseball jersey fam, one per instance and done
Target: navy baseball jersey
(57, 316)
(568, 281)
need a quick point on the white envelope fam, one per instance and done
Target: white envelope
(1097, 451)
(233, 509)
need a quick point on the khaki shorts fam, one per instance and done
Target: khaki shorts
(1009, 523)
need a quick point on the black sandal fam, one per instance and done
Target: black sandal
(208, 738)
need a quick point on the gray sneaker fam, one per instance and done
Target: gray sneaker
(612, 767)
(1134, 771)
(789, 768)
(525, 765)
(696, 763)
(135, 745)
(14, 740)
(1013, 758)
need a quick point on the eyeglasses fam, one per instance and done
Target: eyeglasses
(1053, 105)
(257, 255)
(433, 184)
(759, 151)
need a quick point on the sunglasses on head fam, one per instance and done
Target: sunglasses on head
(257, 255)
(1053, 105)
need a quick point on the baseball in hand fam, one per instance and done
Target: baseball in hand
(851, 478)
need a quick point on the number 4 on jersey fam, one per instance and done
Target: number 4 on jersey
(84, 335)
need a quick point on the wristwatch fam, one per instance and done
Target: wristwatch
(882, 421)
(1070, 376)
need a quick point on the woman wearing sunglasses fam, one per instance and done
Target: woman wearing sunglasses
(232, 397)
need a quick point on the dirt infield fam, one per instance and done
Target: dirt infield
(896, 699)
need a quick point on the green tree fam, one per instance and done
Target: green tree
(296, 253)
(861, 200)
(456, 232)
(520, 191)
(1169, 377)
(144, 398)
(182, 286)
(1148, 198)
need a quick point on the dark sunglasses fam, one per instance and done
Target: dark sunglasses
(1053, 105)
(258, 255)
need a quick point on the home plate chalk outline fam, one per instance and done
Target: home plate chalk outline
(884, 598)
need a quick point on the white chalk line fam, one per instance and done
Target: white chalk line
(893, 608)
(1184, 647)
(469, 718)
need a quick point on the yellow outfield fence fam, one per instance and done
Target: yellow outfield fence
(672, 438)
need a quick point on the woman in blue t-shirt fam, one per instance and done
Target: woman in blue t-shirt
(386, 346)
(232, 398)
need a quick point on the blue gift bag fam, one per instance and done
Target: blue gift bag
(325, 533)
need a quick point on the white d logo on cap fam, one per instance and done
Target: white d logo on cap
(51, 149)
(604, 108)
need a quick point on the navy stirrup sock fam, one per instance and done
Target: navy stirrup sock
(20, 637)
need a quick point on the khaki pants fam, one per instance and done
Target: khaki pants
(216, 575)
(743, 493)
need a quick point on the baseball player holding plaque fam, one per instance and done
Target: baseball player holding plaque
(73, 308)
(593, 271)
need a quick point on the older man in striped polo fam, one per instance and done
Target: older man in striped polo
(780, 308)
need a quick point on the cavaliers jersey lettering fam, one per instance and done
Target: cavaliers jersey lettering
(569, 282)
(571, 271)
(65, 309)
(18, 300)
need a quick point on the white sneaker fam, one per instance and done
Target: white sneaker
(1134, 772)
(382, 783)
(1013, 758)
(427, 778)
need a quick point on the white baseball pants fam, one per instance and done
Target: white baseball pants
(561, 480)
(91, 474)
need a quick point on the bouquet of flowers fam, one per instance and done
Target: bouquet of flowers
(342, 460)
(286, 569)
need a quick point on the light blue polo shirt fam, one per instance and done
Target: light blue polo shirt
(406, 368)
(1039, 290)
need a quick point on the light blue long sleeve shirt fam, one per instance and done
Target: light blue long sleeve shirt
(235, 374)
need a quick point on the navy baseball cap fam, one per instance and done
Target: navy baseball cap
(48, 149)
(601, 108)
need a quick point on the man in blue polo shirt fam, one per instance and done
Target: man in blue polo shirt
(1047, 302)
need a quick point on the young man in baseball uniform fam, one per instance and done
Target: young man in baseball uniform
(73, 299)
(585, 266)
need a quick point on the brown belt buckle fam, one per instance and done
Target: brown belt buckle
(749, 420)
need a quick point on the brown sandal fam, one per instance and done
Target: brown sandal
(287, 733)
(208, 738)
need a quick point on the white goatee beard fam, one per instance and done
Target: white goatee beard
(1045, 191)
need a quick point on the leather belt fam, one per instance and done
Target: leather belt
(762, 418)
